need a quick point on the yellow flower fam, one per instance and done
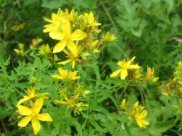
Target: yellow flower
(178, 72)
(109, 38)
(31, 93)
(20, 50)
(124, 67)
(123, 104)
(67, 37)
(60, 29)
(44, 50)
(150, 75)
(54, 27)
(94, 46)
(138, 73)
(91, 20)
(73, 103)
(70, 102)
(18, 27)
(33, 114)
(35, 43)
(72, 54)
(139, 113)
(80, 106)
(66, 75)
(72, 16)
(139, 117)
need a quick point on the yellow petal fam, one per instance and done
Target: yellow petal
(134, 67)
(23, 100)
(59, 46)
(123, 74)
(115, 73)
(44, 117)
(24, 121)
(56, 76)
(64, 62)
(61, 70)
(142, 123)
(36, 126)
(145, 122)
(56, 35)
(78, 35)
(143, 114)
(38, 105)
(24, 110)
(71, 46)
(66, 28)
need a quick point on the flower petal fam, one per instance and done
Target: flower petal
(36, 126)
(57, 76)
(38, 105)
(143, 114)
(66, 27)
(115, 73)
(74, 49)
(23, 110)
(44, 117)
(23, 122)
(59, 46)
(23, 100)
(123, 74)
(64, 62)
(78, 35)
(56, 35)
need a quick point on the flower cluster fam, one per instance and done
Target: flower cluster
(78, 40)
(150, 75)
(73, 99)
(137, 112)
(129, 70)
(66, 75)
(29, 108)
(77, 35)
(125, 66)
(36, 46)
(174, 85)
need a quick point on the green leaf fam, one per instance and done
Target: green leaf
(53, 4)
(160, 127)
(90, 4)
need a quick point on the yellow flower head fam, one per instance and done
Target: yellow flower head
(66, 75)
(67, 37)
(123, 104)
(72, 54)
(109, 38)
(20, 49)
(73, 102)
(35, 43)
(91, 20)
(18, 27)
(31, 93)
(178, 72)
(139, 113)
(72, 16)
(80, 106)
(137, 74)
(33, 114)
(124, 67)
(44, 50)
(60, 29)
(150, 75)
(70, 102)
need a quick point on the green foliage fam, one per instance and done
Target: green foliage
(150, 30)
